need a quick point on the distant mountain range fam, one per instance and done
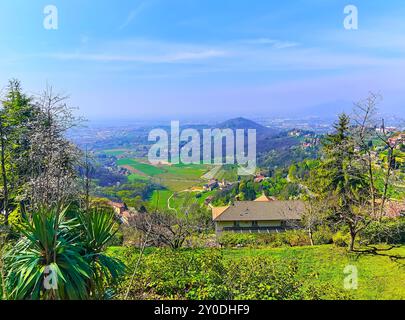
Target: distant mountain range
(136, 138)
(267, 139)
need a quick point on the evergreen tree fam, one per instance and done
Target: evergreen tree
(15, 117)
(343, 179)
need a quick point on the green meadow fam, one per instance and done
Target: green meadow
(115, 152)
(145, 168)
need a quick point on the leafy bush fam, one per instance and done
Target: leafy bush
(230, 239)
(15, 219)
(341, 239)
(295, 238)
(117, 239)
(205, 274)
(290, 238)
(180, 274)
(323, 235)
(390, 231)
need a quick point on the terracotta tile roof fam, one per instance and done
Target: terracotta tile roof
(264, 198)
(216, 211)
(260, 211)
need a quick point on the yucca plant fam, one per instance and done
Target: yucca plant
(70, 248)
(46, 243)
(99, 227)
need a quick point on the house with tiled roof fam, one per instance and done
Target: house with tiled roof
(264, 198)
(122, 212)
(263, 216)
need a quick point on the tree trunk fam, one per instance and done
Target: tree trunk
(372, 186)
(311, 239)
(4, 175)
(386, 182)
(352, 240)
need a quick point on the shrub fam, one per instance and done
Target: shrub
(117, 239)
(180, 274)
(323, 235)
(15, 220)
(205, 274)
(290, 238)
(341, 239)
(230, 239)
(71, 248)
(390, 231)
(295, 238)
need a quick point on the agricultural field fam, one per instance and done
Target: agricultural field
(163, 200)
(141, 167)
(186, 175)
(179, 181)
(227, 172)
(115, 152)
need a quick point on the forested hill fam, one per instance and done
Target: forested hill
(243, 123)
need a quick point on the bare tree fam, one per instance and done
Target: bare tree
(364, 113)
(164, 229)
(87, 172)
(54, 159)
(314, 214)
(365, 117)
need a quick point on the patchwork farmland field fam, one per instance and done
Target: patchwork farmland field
(115, 152)
(162, 199)
(144, 168)
(175, 178)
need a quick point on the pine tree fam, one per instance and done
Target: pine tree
(344, 179)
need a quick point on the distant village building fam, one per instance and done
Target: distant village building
(397, 140)
(383, 129)
(208, 200)
(124, 171)
(264, 198)
(211, 185)
(122, 212)
(264, 215)
(259, 178)
(295, 133)
(224, 184)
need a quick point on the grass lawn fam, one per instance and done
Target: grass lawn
(380, 276)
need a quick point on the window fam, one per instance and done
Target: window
(255, 224)
(236, 224)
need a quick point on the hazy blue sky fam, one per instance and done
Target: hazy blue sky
(175, 58)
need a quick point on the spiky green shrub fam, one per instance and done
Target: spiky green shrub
(98, 228)
(71, 248)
